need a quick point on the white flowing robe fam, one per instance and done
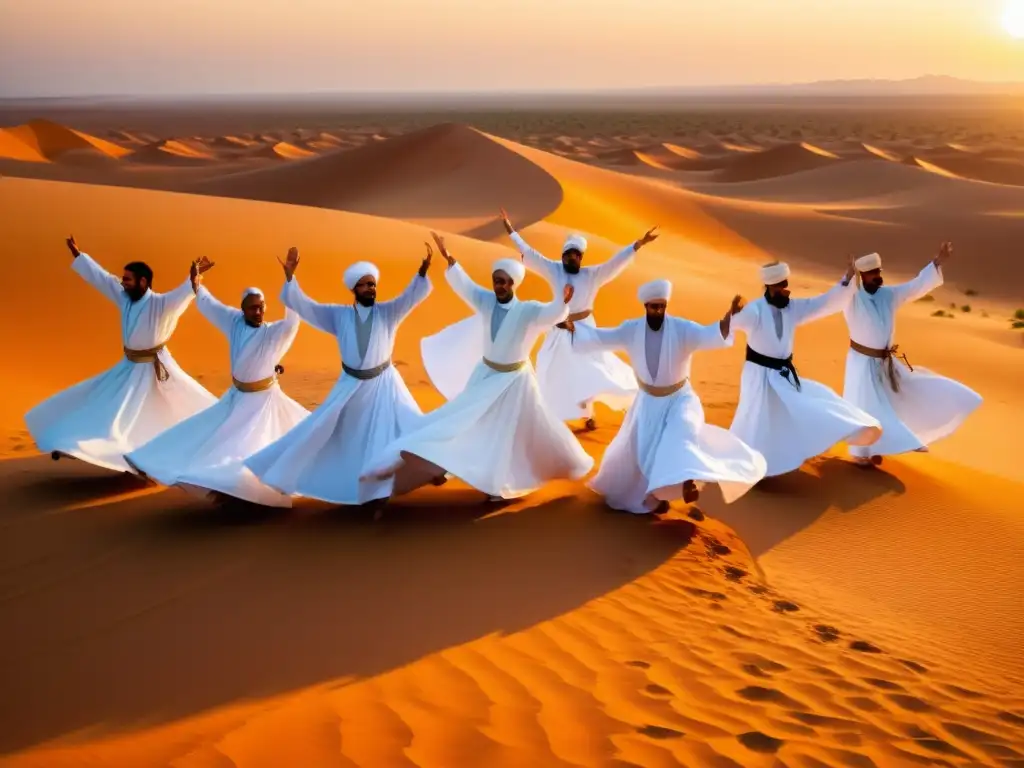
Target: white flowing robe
(571, 380)
(321, 458)
(786, 425)
(664, 441)
(101, 419)
(928, 407)
(206, 452)
(497, 435)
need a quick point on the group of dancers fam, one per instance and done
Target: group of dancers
(503, 429)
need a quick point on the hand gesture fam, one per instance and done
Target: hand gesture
(851, 268)
(738, 303)
(506, 222)
(425, 264)
(439, 241)
(945, 251)
(649, 237)
(203, 264)
(73, 246)
(567, 293)
(290, 263)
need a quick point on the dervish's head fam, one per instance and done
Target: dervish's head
(253, 307)
(775, 277)
(572, 253)
(655, 296)
(870, 268)
(361, 278)
(506, 276)
(137, 279)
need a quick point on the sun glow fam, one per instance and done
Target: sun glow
(1013, 18)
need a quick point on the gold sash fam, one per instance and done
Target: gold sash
(148, 356)
(665, 391)
(888, 358)
(504, 367)
(365, 374)
(254, 386)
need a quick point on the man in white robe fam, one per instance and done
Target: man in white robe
(497, 435)
(915, 406)
(664, 447)
(784, 417)
(205, 454)
(101, 419)
(572, 380)
(368, 407)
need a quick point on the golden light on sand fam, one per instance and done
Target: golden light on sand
(1013, 18)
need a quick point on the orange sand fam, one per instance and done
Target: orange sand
(835, 617)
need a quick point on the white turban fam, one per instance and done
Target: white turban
(575, 242)
(774, 273)
(655, 290)
(358, 271)
(511, 267)
(251, 292)
(868, 263)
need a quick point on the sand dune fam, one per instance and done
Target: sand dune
(777, 161)
(284, 151)
(45, 141)
(994, 171)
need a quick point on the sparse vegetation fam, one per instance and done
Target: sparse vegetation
(942, 313)
(928, 297)
(965, 308)
(1019, 314)
(1018, 324)
(970, 292)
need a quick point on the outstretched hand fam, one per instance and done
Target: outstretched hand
(649, 237)
(73, 247)
(738, 303)
(439, 241)
(290, 263)
(945, 252)
(425, 264)
(506, 222)
(851, 269)
(195, 272)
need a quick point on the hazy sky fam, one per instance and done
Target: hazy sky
(86, 47)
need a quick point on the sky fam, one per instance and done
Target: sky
(172, 47)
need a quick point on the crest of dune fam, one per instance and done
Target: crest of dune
(687, 152)
(286, 151)
(917, 162)
(173, 152)
(777, 161)
(879, 152)
(46, 141)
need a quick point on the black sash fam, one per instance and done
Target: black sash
(783, 366)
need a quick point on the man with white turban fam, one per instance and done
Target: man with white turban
(102, 418)
(570, 379)
(664, 448)
(369, 405)
(205, 454)
(497, 434)
(787, 418)
(915, 406)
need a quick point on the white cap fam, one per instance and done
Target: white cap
(655, 290)
(774, 273)
(868, 263)
(358, 271)
(512, 267)
(575, 242)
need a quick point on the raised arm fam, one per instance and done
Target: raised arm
(174, 303)
(478, 298)
(928, 279)
(590, 338)
(828, 303)
(612, 268)
(221, 316)
(94, 274)
(716, 335)
(323, 317)
(414, 293)
(556, 310)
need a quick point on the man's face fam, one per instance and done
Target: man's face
(502, 286)
(778, 294)
(135, 287)
(872, 280)
(571, 261)
(253, 307)
(366, 291)
(656, 313)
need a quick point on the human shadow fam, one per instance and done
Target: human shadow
(161, 607)
(780, 507)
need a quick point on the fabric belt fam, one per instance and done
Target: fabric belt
(665, 391)
(148, 356)
(254, 386)
(782, 365)
(504, 367)
(566, 325)
(888, 357)
(365, 374)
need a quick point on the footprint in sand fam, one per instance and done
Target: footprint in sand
(760, 693)
(756, 741)
(785, 606)
(705, 594)
(864, 704)
(657, 690)
(754, 670)
(758, 589)
(660, 732)
(1011, 718)
(638, 664)
(696, 514)
(967, 693)
(909, 703)
(864, 647)
(826, 633)
(886, 685)
(913, 665)
(732, 573)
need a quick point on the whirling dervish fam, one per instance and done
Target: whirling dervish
(571, 380)
(664, 447)
(497, 434)
(786, 418)
(915, 406)
(369, 405)
(205, 453)
(101, 419)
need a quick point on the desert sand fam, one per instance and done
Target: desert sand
(832, 617)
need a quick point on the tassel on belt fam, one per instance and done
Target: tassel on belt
(148, 356)
(888, 357)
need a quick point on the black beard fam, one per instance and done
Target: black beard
(504, 299)
(135, 293)
(873, 287)
(253, 324)
(366, 301)
(776, 300)
(572, 269)
(655, 323)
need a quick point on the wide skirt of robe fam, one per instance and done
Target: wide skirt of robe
(571, 381)
(788, 426)
(207, 452)
(662, 443)
(927, 408)
(496, 436)
(322, 456)
(101, 419)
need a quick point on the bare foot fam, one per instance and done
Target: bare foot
(690, 492)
